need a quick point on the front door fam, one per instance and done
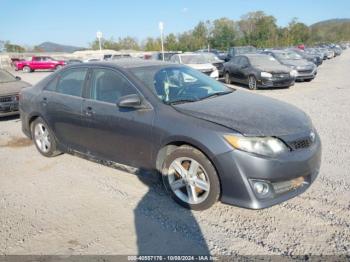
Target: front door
(119, 134)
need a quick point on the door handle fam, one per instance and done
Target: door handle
(89, 111)
(44, 102)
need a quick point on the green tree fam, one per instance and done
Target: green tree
(171, 43)
(152, 44)
(224, 33)
(13, 48)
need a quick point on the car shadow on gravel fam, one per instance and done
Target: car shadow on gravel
(162, 226)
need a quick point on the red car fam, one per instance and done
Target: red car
(39, 62)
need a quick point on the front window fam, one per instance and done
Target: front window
(108, 86)
(179, 84)
(263, 60)
(6, 77)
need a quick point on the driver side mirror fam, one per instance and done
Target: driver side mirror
(18, 78)
(131, 101)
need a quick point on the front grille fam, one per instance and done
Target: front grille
(5, 99)
(301, 143)
(280, 75)
(305, 71)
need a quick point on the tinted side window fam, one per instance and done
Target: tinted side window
(52, 84)
(108, 86)
(236, 60)
(72, 81)
(244, 61)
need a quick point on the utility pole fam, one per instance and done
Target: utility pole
(161, 29)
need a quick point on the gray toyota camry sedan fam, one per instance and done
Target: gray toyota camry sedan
(209, 142)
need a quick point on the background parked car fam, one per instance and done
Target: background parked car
(313, 58)
(10, 86)
(196, 61)
(159, 55)
(258, 70)
(306, 71)
(220, 54)
(39, 63)
(238, 50)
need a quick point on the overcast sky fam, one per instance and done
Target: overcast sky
(75, 22)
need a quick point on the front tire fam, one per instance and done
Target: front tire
(252, 84)
(228, 80)
(26, 69)
(58, 67)
(43, 138)
(190, 178)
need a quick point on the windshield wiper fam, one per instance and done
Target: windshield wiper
(181, 101)
(217, 94)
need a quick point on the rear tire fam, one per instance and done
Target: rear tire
(43, 138)
(190, 178)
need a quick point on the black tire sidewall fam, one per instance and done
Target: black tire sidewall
(187, 151)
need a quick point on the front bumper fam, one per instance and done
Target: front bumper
(306, 74)
(9, 108)
(237, 169)
(268, 83)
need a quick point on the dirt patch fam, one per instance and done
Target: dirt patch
(16, 142)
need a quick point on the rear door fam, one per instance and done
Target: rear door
(123, 135)
(61, 102)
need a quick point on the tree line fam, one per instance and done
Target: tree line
(255, 28)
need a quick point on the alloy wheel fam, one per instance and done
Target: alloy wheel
(188, 180)
(252, 83)
(42, 138)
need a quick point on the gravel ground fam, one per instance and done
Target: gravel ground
(69, 205)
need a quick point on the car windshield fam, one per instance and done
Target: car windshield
(211, 58)
(263, 60)
(193, 59)
(288, 56)
(6, 77)
(179, 84)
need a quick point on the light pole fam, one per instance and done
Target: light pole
(99, 36)
(161, 28)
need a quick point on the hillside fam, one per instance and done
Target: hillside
(333, 30)
(53, 47)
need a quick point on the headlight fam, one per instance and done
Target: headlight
(267, 146)
(266, 74)
(294, 73)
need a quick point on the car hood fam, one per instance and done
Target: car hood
(249, 114)
(12, 87)
(273, 69)
(298, 63)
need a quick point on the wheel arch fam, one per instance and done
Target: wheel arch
(170, 145)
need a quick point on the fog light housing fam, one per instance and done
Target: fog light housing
(261, 188)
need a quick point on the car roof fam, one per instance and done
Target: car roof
(254, 55)
(129, 63)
